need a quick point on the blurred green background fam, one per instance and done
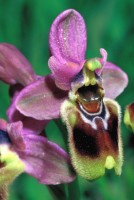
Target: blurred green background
(110, 24)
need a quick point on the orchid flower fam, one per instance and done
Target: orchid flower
(24, 152)
(21, 148)
(129, 116)
(81, 91)
(16, 71)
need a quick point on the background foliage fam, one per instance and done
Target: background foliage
(110, 24)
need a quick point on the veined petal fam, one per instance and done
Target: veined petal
(115, 80)
(41, 100)
(68, 37)
(63, 72)
(46, 161)
(14, 67)
(30, 125)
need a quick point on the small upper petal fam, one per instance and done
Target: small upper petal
(14, 67)
(104, 56)
(102, 60)
(68, 37)
(41, 100)
(115, 80)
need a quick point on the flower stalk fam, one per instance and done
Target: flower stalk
(74, 190)
(58, 191)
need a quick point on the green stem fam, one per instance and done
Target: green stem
(63, 130)
(74, 191)
(3, 192)
(58, 191)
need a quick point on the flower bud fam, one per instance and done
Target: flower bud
(129, 116)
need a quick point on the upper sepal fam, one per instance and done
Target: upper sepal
(67, 37)
(67, 41)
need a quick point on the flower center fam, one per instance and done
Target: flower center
(4, 137)
(90, 97)
(89, 71)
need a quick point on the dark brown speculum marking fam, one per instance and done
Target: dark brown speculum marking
(90, 98)
(85, 144)
(96, 142)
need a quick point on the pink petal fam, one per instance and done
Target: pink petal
(102, 60)
(41, 100)
(115, 80)
(104, 56)
(68, 37)
(45, 160)
(14, 67)
(30, 125)
(15, 133)
(63, 72)
(3, 125)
